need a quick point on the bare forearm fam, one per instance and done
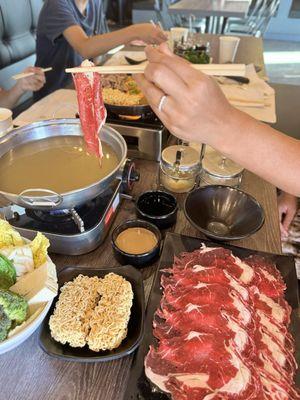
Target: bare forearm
(96, 45)
(262, 150)
(9, 98)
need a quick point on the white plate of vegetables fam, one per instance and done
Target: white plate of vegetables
(28, 284)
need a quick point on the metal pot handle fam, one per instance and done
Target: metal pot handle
(48, 199)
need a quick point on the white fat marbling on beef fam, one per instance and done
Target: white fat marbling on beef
(90, 75)
(205, 249)
(159, 380)
(277, 311)
(267, 275)
(248, 272)
(191, 335)
(191, 307)
(275, 350)
(271, 327)
(200, 285)
(194, 380)
(241, 337)
(245, 314)
(239, 288)
(199, 268)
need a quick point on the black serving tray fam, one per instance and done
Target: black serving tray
(138, 387)
(135, 326)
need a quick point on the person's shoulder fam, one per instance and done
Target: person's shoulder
(56, 5)
(97, 3)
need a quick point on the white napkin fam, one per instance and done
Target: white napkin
(256, 98)
(60, 104)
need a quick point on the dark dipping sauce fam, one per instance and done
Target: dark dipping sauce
(157, 207)
(156, 204)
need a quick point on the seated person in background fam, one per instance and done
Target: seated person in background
(193, 107)
(71, 30)
(9, 98)
(289, 217)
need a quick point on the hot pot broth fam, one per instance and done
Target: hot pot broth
(59, 163)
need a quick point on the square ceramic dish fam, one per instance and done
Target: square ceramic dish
(138, 386)
(135, 326)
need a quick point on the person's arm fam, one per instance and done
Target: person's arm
(93, 46)
(9, 98)
(287, 208)
(196, 110)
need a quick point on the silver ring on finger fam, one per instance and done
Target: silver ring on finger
(161, 103)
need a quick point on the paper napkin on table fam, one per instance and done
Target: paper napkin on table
(60, 104)
(256, 98)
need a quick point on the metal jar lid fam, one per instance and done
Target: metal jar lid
(214, 163)
(183, 158)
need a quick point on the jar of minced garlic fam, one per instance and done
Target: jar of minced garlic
(179, 168)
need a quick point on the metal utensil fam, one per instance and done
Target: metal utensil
(131, 61)
(239, 79)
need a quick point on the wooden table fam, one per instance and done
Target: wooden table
(28, 373)
(212, 10)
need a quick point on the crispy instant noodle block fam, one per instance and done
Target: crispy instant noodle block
(92, 311)
(109, 320)
(70, 320)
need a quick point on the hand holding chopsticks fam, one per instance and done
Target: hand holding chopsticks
(32, 79)
(27, 74)
(188, 103)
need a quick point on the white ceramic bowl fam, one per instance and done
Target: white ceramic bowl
(6, 121)
(29, 328)
(20, 337)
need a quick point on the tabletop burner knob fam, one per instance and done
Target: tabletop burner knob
(130, 175)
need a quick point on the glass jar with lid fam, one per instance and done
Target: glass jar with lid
(179, 168)
(219, 170)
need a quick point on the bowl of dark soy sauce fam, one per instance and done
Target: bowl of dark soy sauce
(158, 207)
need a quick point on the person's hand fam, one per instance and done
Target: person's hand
(195, 108)
(148, 34)
(287, 208)
(32, 83)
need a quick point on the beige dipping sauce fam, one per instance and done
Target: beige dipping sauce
(136, 240)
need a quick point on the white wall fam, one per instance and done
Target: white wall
(283, 28)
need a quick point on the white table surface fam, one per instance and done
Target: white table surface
(211, 8)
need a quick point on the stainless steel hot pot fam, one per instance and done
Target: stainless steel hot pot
(43, 198)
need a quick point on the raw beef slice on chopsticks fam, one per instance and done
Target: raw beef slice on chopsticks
(221, 330)
(92, 112)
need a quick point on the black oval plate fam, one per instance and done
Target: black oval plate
(135, 326)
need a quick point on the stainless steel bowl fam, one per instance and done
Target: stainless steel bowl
(223, 213)
(43, 198)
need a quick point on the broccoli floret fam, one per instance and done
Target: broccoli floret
(7, 273)
(14, 306)
(5, 281)
(5, 324)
